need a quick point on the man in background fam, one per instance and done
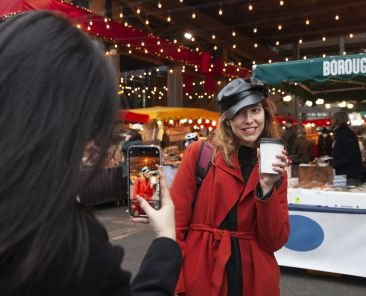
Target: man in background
(346, 151)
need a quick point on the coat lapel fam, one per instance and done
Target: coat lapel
(234, 171)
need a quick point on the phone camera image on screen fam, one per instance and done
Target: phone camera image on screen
(143, 178)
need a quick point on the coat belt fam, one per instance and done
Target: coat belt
(224, 252)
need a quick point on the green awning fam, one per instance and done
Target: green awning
(337, 77)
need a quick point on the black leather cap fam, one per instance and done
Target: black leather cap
(241, 93)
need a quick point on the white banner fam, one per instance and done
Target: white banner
(326, 241)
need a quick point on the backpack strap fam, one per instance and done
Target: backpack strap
(203, 162)
(203, 165)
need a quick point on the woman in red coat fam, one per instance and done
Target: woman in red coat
(240, 216)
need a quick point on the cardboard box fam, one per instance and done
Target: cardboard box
(313, 176)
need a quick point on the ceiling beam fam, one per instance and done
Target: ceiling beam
(245, 49)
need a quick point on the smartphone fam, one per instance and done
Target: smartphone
(143, 177)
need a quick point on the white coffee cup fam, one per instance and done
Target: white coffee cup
(269, 149)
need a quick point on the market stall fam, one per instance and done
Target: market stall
(326, 231)
(326, 217)
(168, 126)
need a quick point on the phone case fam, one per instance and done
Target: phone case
(143, 178)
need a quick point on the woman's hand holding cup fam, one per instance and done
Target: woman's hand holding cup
(273, 161)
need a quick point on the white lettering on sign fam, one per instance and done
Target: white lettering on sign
(346, 66)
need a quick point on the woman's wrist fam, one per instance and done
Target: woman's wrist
(265, 187)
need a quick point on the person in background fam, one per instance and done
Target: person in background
(289, 135)
(132, 138)
(58, 92)
(325, 142)
(346, 152)
(303, 148)
(142, 187)
(189, 138)
(229, 229)
(362, 143)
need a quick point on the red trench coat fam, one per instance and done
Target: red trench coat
(263, 228)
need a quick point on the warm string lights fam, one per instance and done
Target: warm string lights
(196, 123)
(140, 10)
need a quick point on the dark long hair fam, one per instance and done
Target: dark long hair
(57, 92)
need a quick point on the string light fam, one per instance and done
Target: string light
(250, 7)
(220, 11)
(159, 5)
(255, 30)
(279, 27)
(282, 3)
(168, 19)
(193, 15)
(307, 22)
(255, 45)
(233, 33)
(351, 35)
(324, 38)
(336, 17)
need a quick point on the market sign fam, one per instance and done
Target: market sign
(337, 77)
(347, 66)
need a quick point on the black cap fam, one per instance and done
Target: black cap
(240, 93)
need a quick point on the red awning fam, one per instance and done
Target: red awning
(132, 117)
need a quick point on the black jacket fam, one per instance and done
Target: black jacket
(346, 153)
(103, 275)
(303, 151)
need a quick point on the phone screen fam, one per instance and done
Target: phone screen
(143, 177)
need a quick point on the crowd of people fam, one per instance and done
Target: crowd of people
(339, 143)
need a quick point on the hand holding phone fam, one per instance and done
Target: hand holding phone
(162, 221)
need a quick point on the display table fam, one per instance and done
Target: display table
(327, 232)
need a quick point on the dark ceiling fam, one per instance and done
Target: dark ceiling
(308, 29)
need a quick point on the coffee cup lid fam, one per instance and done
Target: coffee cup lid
(272, 141)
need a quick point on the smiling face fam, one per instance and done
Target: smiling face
(248, 124)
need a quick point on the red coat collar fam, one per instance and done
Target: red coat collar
(235, 171)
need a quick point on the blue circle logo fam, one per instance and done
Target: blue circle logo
(305, 234)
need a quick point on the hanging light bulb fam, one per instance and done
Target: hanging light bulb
(250, 7)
